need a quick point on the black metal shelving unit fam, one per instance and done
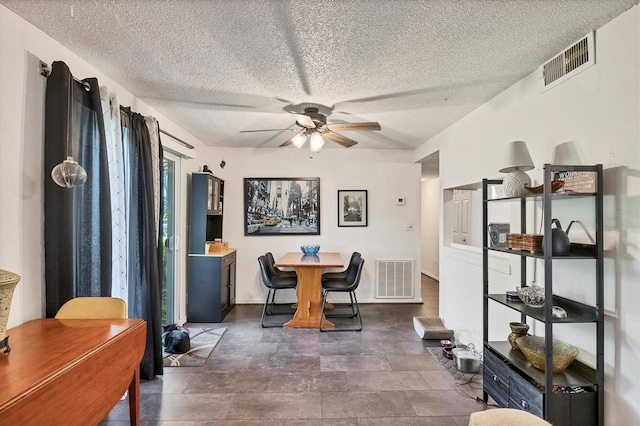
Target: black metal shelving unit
(507, 371)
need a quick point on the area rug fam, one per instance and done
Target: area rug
(450, 365)
(203, 340)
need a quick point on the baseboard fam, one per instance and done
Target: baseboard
(435, 277)
(416, 300)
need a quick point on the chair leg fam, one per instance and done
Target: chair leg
(353, 310)
(324, 300)
(354, 307)
(270, 304)
(355, 299)
(268, 308)
(264, 309)
(351, 315)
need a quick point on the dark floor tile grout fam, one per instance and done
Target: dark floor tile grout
(302, 362)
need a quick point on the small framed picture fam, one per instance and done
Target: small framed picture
(352, 208)
(498, 234)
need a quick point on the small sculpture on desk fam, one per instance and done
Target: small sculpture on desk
(8, 282)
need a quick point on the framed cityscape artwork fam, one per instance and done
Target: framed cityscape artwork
(281, 206)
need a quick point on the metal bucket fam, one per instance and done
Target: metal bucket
(467, 360)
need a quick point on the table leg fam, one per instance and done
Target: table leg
(309, 292)
(134, 398)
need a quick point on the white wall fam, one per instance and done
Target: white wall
(599, 110)
(430, 246)
(386, 175)
(22, 91)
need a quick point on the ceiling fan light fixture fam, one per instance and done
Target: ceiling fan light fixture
(316, 142)
(299, 140)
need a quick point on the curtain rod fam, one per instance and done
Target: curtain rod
(177, 139)
(45, 71)
(188, 145)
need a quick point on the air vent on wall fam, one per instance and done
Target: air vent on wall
(575, 59)
(394, 279)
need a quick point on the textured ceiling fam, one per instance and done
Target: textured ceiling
(219, 67)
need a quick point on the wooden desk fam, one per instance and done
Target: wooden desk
(70, 372)
(309, 290)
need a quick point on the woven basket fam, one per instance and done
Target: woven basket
(533, 349)
(8, 282)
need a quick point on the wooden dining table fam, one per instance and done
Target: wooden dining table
(71, 371)
(309, 269)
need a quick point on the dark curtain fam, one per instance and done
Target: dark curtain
(143, 260)
(77, 221)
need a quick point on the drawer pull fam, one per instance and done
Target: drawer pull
(524, 404)
(495, 378)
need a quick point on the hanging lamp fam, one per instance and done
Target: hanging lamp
(69, 174)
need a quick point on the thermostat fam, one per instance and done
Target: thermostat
(401, 201)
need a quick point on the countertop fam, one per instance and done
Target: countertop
(221, 253)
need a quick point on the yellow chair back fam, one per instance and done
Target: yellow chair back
(93, 308)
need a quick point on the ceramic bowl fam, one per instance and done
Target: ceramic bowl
(310, 249)
(532, 347)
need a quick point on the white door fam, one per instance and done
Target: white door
(461, 211)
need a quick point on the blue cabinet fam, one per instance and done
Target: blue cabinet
(205, 211)
(211, 277)
(211, 290)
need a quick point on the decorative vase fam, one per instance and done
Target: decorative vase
(518, 329)
(515, 182)
(8, 282)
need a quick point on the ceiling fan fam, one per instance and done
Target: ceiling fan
(313, 126)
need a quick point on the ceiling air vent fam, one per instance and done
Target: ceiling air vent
(573, 60)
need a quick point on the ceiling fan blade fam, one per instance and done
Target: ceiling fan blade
(287, 142)
(355, 126)
(269, 130)
(342, 140)
(305, 121)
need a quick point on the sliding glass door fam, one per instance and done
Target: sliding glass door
(170, 264)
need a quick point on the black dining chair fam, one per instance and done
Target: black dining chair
(348, 284)
(277, 271)
(341, 274)
(273, 283)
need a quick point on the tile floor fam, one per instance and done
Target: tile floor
(383, 375)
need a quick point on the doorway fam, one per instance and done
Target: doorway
(170, 238)
(430, 212)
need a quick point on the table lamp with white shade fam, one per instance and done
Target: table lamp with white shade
(516, 161)
(566, 154)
